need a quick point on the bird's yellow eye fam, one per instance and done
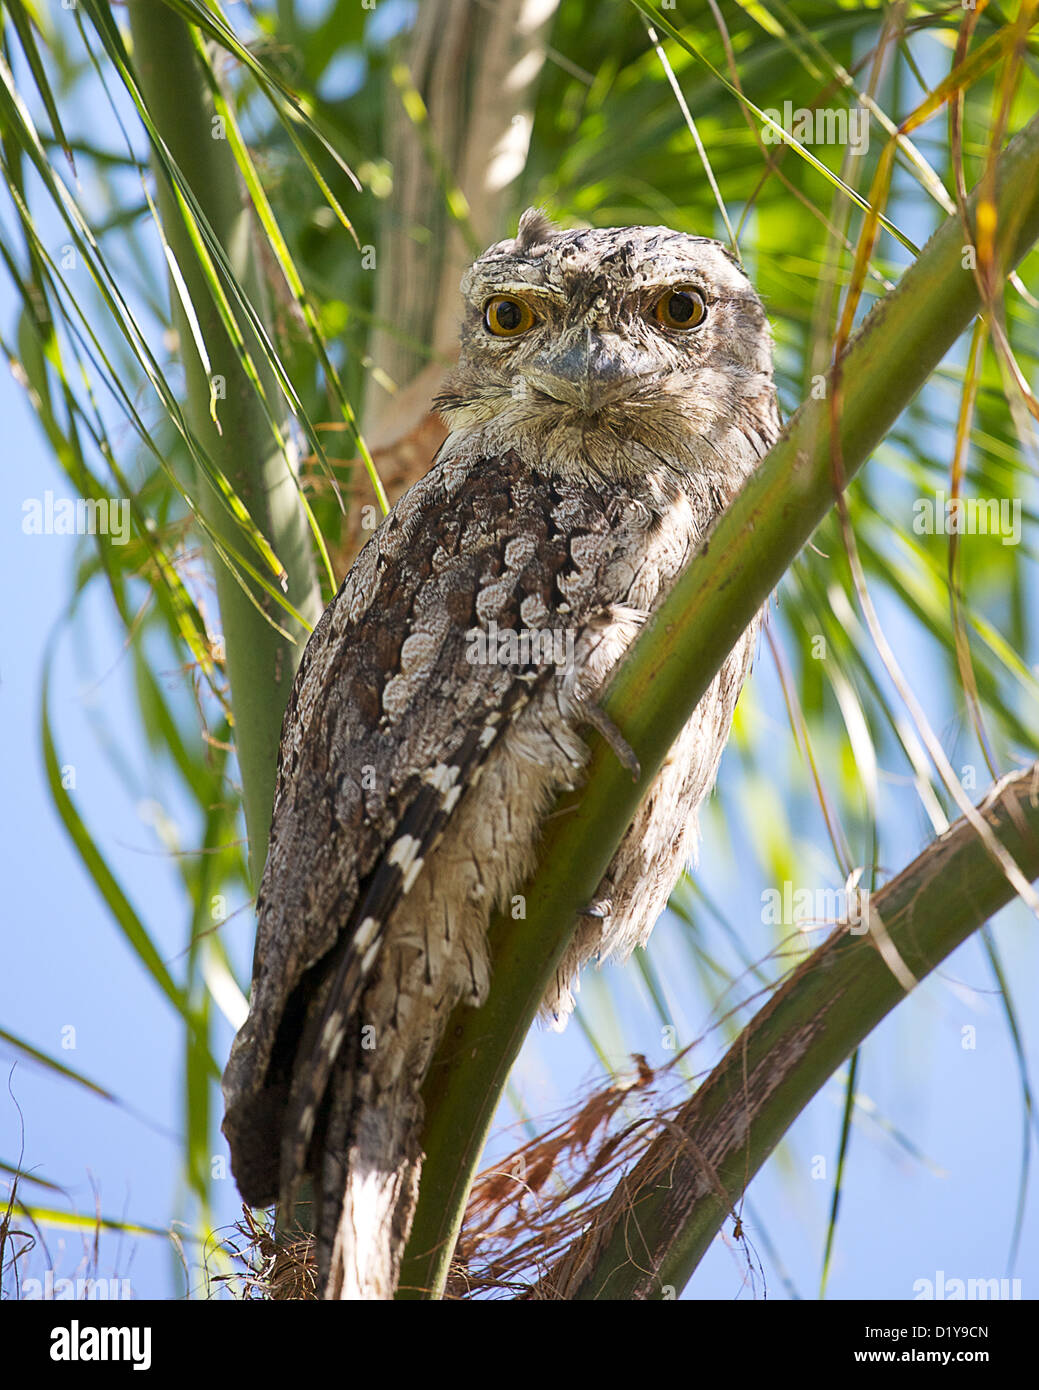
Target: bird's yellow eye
(508, 317)
(680, 308)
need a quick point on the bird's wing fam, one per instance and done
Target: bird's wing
(388, 723)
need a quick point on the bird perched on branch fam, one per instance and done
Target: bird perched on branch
(613, 392)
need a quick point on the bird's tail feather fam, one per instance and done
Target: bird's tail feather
(369, 1173)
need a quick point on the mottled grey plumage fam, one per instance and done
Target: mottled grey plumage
(588, 453)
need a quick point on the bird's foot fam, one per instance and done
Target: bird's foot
(601, 908)
(601, 721)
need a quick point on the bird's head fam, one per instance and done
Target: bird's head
(585, 348)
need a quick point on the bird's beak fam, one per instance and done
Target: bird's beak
(587, 371)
